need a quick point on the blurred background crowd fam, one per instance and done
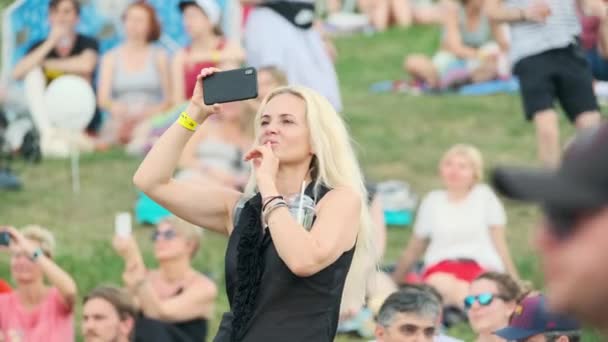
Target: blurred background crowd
(140, 60)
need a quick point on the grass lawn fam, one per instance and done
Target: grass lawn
(398, 136)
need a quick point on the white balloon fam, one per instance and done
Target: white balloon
(70, 103)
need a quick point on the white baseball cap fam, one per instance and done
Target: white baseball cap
(210, 7)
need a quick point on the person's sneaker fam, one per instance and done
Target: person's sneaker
(9, 181)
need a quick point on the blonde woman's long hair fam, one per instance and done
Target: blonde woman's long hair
(334, 165)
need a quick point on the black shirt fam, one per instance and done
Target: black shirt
(152, 330)
(285, 307)
(81, 44)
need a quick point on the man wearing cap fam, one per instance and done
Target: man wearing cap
(572, 239)
(532, 322)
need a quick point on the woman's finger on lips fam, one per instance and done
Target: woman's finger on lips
(254, 153)
(265, 149)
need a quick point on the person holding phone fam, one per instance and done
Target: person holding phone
(175, 300)
(284, 282)
(35, 311)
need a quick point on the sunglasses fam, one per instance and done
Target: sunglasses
(169, 234)
(483, 299)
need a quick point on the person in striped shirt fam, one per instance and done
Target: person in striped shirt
(547, 57)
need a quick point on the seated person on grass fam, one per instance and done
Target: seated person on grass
(63, 52)
(472, 49)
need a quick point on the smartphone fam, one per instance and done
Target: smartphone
(231, 85)
(122, 224)
(5, 238)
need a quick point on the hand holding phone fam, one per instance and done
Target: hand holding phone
(122, 224)
(231, 85)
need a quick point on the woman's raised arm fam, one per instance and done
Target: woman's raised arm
(206, 205)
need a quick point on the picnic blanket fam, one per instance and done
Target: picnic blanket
(506, 86)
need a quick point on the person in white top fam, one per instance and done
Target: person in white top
(460, 230)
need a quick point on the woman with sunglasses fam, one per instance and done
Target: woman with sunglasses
(35, 311)
(175, 300)
(491, 300)
(286, 270)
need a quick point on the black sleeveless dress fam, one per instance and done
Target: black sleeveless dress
(152, 330)
(267, 301)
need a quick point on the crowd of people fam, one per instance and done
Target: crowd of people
(244, 169)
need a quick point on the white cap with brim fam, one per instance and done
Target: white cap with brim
(210, 7)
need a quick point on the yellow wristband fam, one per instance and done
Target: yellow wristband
(216, 56)
(187, 122)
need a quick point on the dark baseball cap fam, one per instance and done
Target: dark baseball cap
(580, 183)
(531, 317)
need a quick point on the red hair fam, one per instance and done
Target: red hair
(154, 29)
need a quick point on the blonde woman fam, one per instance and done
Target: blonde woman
(460, 229)
(284, 282)
(175, 300)
(35, 311)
